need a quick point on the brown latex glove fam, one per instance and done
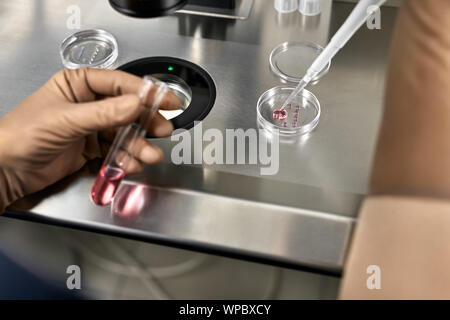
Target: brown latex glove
(70, 120)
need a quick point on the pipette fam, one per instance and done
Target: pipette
(121, 156)
(363, 10)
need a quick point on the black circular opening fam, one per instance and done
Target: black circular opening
(147, 8)
(200, 82)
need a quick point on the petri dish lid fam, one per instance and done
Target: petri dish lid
(290, 61)
(93, 48)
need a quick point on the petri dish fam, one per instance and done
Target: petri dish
(290, 61)
(303, 113)
(93, 48)
(180, 88)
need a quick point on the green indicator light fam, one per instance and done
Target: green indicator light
(170, 68)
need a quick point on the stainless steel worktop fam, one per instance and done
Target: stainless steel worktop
(301, 216)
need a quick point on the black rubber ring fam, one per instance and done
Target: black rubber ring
(201, 83)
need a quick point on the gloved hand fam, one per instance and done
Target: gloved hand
(70, 120)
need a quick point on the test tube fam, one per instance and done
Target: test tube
(285, 6)
(121, 155)
(310, 7)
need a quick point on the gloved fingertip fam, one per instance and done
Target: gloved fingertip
(128, 104)
(151, 154)
(124, 110)
(163, 129)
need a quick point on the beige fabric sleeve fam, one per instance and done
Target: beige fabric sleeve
(409, 240)
(404, 228)
(413, 152)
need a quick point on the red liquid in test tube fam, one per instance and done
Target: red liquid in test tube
(106, 184)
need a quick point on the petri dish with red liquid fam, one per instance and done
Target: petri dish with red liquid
(299, 117)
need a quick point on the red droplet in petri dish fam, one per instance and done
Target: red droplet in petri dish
(280, 114)
(106, 184)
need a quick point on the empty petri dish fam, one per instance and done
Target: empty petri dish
(93, 48)
(300, 116)
(180, 88)
(290, 61)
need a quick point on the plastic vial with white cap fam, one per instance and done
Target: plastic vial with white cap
(310, 7)
(286, 6)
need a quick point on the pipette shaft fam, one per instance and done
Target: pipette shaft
(363, 10)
